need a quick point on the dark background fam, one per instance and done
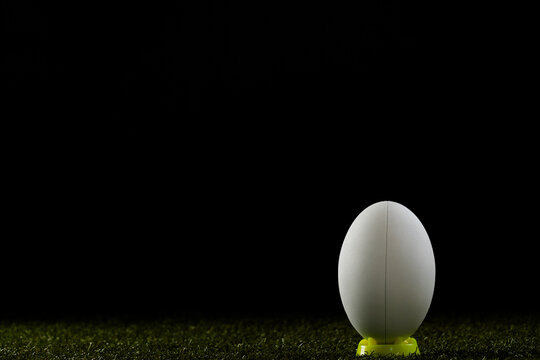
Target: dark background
(209, 159)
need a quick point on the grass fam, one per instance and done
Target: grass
(444, 338)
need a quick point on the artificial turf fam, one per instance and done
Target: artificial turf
(440, 337)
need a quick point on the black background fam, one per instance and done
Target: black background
(209, 159)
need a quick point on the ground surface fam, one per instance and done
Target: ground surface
(509, 337)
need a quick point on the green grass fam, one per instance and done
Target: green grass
(511, 337)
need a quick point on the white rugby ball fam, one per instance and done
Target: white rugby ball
(386, 272)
